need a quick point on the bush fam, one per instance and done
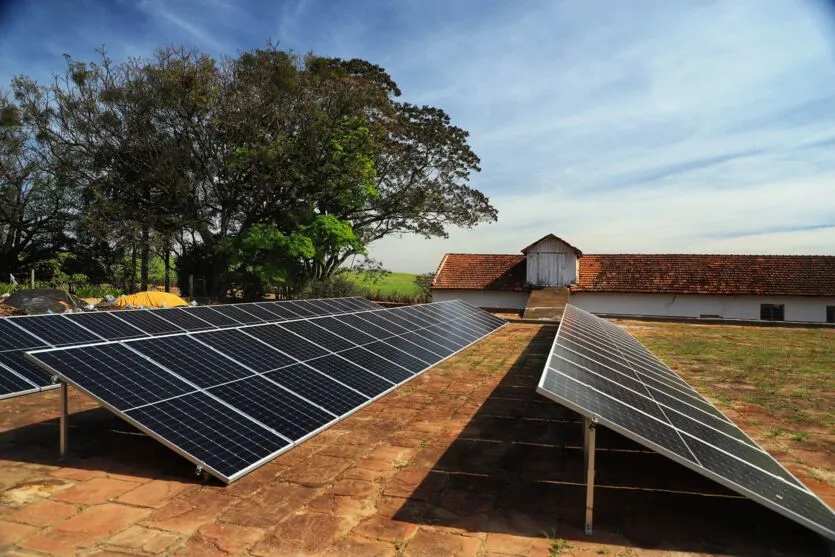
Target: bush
(333, 287)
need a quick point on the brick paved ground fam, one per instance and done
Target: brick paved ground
(465, 460)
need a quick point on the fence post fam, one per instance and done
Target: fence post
(32, 279)
(191, 286)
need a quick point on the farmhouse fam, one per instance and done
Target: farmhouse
(767, 287)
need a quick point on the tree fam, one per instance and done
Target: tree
(36, 201)
(264, 169)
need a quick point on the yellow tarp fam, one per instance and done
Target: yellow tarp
(151, 300)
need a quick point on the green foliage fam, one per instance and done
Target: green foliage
(337, 286)
(269, 255)
(262, 170)
(424, 284)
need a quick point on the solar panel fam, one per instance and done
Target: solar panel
(150, 322)
(600, 371)
(239, 313)
(230, 399)
(18, 334)
(106, 324)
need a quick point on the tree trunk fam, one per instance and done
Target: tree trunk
(146, 255)
(133, 267)
(167, 260)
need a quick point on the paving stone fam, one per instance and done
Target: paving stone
(34, 489)
(356, 508)
(428, 543)
(401, 508)
(270, 505)
(301, 534)
(318, 471)
(144, 539)
(505, 544)
(153, 494)
(351, 545)
(95, 491)
(386, 529)
(44, 513)
(12, 532)
(86, 528)
(357, 473)
(76, 474)
(221, 539)
(355, 488)
(415, 484)
(188, 512)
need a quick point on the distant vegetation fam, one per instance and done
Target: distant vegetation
(390, 287)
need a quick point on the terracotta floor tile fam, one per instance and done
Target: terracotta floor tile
(153, 494)
(12, 532)
(44, 513)
(94, 491)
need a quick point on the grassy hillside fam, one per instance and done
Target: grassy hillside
(393, 286)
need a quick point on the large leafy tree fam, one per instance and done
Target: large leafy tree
(266, 168)
(36, 199)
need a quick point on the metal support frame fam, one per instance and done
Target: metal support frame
(590, 437)
(64, 419)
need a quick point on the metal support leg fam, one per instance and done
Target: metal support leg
(591, 434)
(64, 419)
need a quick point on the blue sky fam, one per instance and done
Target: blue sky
(694, 127)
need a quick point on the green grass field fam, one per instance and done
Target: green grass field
(392, 285)
(757, 362)
(777, 383)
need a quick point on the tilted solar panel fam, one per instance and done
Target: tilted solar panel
(18, 334)
(597, 369)
(229, 409)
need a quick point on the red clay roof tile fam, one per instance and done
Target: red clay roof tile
(774, 275)
(481, 271)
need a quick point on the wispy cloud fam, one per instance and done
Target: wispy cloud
(641, 126)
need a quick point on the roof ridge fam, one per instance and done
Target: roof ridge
(709, 254)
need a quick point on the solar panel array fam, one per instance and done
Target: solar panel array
(232, 399)
(20, 334)
(600, 371)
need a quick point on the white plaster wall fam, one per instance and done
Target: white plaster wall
(797, 308)
(482, 298)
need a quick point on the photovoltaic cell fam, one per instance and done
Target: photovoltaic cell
(12, 382)
(56, 330)
(318, 388)
(191, 360)
(239, 313)
(217, 398)
(598, 370)
(286, 341)
(15, 361)
(115, 374)
(210, 431)
(309, 330)
(182, 319)
(149, 322)
(211, 316)
(273, 406)
(262, 313)
(248, 350)
(106, 325)
(344, 330)
(302, 309)
(14, 338)
(365, 326)
(350, 374)
(281, 310)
